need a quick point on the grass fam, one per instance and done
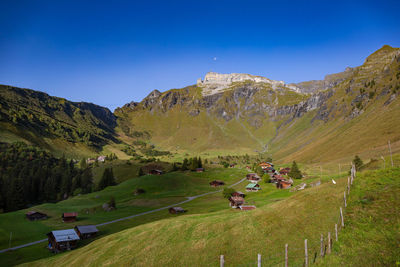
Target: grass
(160, 191)
(371, 236)
(211, 228)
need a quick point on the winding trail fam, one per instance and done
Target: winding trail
(129, 217)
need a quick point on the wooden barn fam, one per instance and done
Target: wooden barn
(236, 202)
(253, 187)
(176, 210)
(200, 170)
(238, 194)
(86, 231)
(155, 172)
(69, 216)
(35, 215)
(253, 177)
(216, 183)
(283, 184)
(62, 240)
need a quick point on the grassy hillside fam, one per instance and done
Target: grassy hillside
(56, 124)
(199, 239)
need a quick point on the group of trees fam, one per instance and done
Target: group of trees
(191, 164)
(107, 179)
(29, 176)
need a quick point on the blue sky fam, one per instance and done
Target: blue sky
(113, 52)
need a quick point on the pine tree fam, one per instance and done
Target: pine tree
(140, 172)
(358, 162)
(87, 181)
(174, 167)
(194, 164)
(199, 163)
(82, 164)
(259, 171)
(295, 172)
(184, 165)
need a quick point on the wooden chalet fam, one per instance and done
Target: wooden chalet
(265, 165)
(247, 207)
(236, 202)
(283, 184)
(269, 170)
(253, 177)
(86, 231)
(156, 172)
(253, 187)
(238, 194)
(69, 216)
(200, 170)
(276, 178)
(35, 215)
(176, 210)
(62, 240)
(284, 171)
(216, 183)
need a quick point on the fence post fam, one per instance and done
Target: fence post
(286, 255)
(329, 242)
(345, 202)
(341, 216)
(322, 245)
(336, 232)
(306, 253)
(221, 261)
(259, 260)
(348, 185)
(390, 150)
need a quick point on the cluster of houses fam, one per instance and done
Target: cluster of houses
(60, 240)
(93, 160)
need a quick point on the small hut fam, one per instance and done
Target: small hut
(35, 215)
(250, 207)
(253, 187)
(86, 231)
(216, 183)
(62, 240)
(236, 202)
(69, 216)
(200, 170)
(176, 210)
(156, 172)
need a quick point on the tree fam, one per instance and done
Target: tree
(205, 161)
(259, 171)
(174, 167)
(194, 164)
(199, 163)
(87, 181)
(184, 165)
(295, 172)
(358, 162)
(111, 203)
(269, 159)
(140, 172)
(227, 192)
(107, 179)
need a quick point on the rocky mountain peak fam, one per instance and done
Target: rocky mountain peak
(214, 82)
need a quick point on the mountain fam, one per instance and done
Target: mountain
(355, 111)
(54, 123)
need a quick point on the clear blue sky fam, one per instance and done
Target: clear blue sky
(113, 52)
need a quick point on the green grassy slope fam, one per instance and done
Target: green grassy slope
(371, 236)
(199, 239)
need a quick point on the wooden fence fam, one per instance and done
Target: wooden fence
(323, 246)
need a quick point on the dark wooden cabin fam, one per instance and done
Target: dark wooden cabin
(86, 231)
(156, 172)
(35, 215)
(69, 216)
(176, 210)
(283, 184)
(216, 183)
(61, 240)
(200, 170)
(236, 202)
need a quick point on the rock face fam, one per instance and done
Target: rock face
(214, 82)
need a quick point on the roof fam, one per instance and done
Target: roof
(87, 229)
(239, 192)
(34, 212)
(65, 235)
(217, 181)
(247, 207)
(177, 209)
(69, 214)
(237, 199)
(251, 185)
